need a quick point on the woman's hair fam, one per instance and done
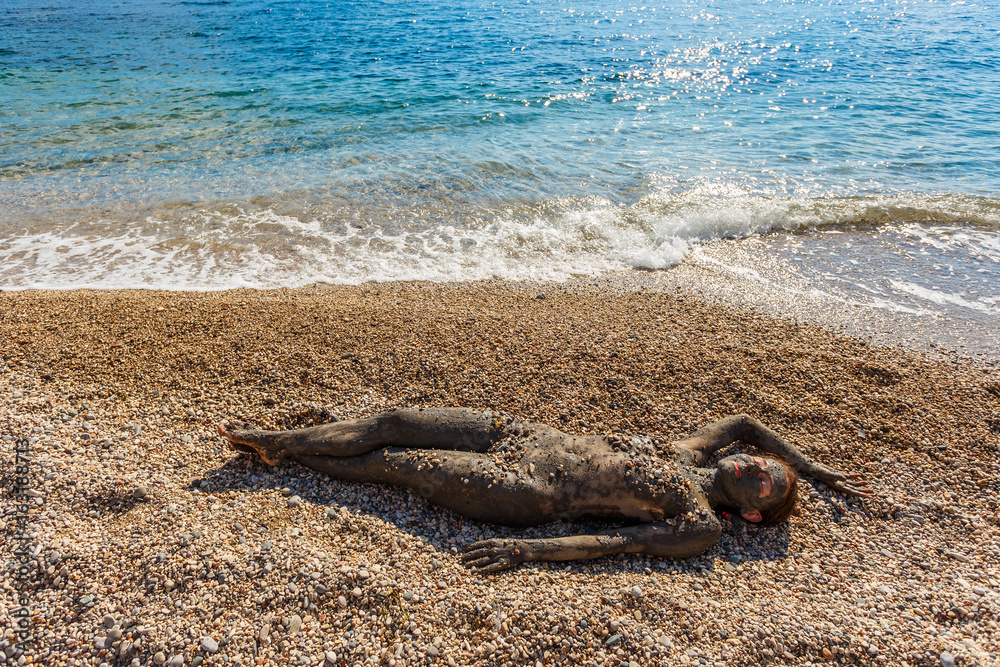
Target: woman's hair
(783, 510)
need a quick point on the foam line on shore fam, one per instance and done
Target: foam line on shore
(224, 245)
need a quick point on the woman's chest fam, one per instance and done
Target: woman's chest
(621, 484)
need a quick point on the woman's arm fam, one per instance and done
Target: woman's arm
(680, 538)
(710, 439)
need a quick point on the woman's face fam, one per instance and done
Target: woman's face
(753, 483)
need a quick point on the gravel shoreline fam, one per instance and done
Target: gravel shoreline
(152, 543)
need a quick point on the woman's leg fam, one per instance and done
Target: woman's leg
(467, 483)
(420, 428)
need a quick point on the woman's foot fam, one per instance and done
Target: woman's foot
(249, 440)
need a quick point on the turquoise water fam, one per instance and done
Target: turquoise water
(204, 145)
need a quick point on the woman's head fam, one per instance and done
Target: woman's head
(762, 489)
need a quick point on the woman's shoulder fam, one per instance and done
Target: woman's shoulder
(682, 455)
(657, 446)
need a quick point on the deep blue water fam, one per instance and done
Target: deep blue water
(203, 145)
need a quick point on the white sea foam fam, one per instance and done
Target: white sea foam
(942, 298)
(223, 246)
(927, 270)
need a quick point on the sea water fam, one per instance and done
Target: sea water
(206, 145)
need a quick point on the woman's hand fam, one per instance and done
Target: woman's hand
(839, 481)
(494, 555)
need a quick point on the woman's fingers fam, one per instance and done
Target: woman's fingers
(838, 480)
(491, 556)
(475, 548)
(488, 564)
(482, 548)
(481, 544)
(853, 490)
(478, 562)
(827, 474)
(475, 555)
(496, 566)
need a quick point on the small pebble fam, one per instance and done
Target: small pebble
(294, 624)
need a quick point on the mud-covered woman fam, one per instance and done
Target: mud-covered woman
(491, 468)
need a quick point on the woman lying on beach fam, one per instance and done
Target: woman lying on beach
(491, 468)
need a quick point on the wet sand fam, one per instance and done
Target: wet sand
(151, 535)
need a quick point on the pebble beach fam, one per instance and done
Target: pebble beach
(148, 541)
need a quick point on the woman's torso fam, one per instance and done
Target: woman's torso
(613, 477)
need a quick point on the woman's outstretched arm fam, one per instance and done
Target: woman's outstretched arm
(680, 538)
(744, 428)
